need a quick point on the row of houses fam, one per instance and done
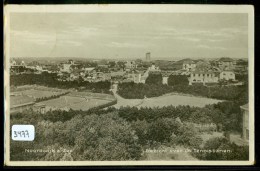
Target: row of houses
(199, 71)
(211, 76)
(209, 72)
(222, 64)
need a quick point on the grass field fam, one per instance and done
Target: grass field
(75, 102)
(177, 100)
(36, 91)
(166, 100)
(39, 93)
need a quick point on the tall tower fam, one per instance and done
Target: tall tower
(148, 56)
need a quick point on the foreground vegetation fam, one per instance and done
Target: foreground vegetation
(123, 134)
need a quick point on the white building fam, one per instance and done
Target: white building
(165, 80)
(227, 75)
(203, 77)
(154, 68)
(66, 68)
(135, 77)
(88, 70)
(71, 62)
(23, 63)
(130, 65)
(227, 63)
(148, 56)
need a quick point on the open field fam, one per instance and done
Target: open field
(176, 100)
(39, 93)
(36, 91)
(165, 100)
(77, 102)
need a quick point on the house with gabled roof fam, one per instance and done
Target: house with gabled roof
(227, 75)
(226, 63)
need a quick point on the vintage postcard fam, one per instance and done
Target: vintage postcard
(129, 85)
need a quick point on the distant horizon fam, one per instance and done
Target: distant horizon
(129, 58)
(112, 35)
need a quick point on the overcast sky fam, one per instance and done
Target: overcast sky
(124, 35)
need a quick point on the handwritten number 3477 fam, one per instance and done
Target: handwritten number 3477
(21, 133)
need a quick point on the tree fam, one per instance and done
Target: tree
(106, 137)
(154, 79)
(161, 129)
(220, 145)
(178, 80)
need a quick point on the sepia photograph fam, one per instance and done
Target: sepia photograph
(129, 85)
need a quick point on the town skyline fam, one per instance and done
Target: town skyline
(124, 35)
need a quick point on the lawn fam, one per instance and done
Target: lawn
(75, 102)
(39, 93)
(165, 100)
(176, 100)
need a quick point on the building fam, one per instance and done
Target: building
(154, 68)
(135, 77)
(130, 65)
(23, 63)
(226, 63)
(227, 75)
(148, 56)
(71, 62)
(19, 103)
(145, 75)
(69, 66)
(245, 122)
(188, 65)
(89, 69)
(165, 79)
(66, 68)
(17, 67)
(203, 77)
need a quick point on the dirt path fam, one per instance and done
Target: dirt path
(121, 102)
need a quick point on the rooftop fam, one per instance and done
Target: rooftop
(203, 72)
